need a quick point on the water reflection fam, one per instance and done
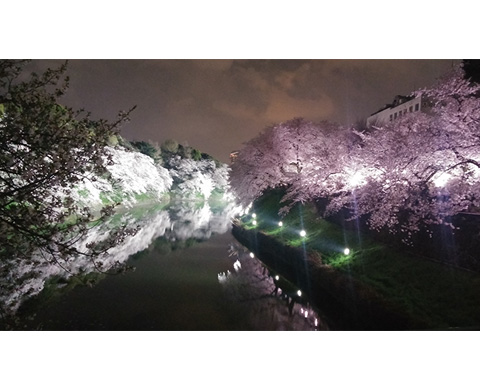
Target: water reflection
(171, 289)
(275, 302)
(180, 221)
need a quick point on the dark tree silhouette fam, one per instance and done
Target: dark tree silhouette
(472, 70)
(45, 150)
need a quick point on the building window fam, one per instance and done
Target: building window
(395, 116)
(410, 108)
(417, 107)
(400, 113)
(390, 117)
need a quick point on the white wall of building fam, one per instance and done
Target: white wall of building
(392, 113)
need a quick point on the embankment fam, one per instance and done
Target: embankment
(348, 303)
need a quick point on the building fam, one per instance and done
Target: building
(402, 105)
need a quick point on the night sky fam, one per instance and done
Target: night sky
(216, 105)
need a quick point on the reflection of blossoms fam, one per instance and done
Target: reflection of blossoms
(220, 221)
(191, 221)
(200, 222)
(25, 278)
(251, 286)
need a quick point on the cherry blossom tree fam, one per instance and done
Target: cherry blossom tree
(298, 155)
(329, 164)
(426, 166)
(45, 150)
(418, 170)
(256, 168)
(202, 177)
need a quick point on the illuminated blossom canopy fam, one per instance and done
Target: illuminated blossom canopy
(417, 170)
(297, 155)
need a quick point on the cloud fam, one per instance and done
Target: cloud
(216, 105)
(288, 80)
(217, 65)
(268, 94)
(251, 79)
(236, 110)
(283, 107)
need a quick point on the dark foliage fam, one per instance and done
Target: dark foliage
(148, 149)
(45, 150)
(472, 70)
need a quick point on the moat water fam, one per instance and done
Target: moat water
(189, 274)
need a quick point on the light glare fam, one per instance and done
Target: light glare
(346, 251)
(280, 224)
(442, 179)
(303, 233)
(252, 255)
(299, 293)
(357, 179)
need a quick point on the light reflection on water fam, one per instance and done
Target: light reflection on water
(179, 254)
(253, 285)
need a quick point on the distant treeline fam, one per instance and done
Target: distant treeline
(162, 153)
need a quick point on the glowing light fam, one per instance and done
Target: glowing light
(346, 251)
(277, 277)
(222, 276)
(254, 223)
(237, 265)
(356, 179)
(252, 255)
(306, 314)
(280, 224)
(254, 215)
(316, 322)
(441, 179)
(303, 233)
(299, 293)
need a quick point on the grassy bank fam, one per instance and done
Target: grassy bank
(439, 295)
